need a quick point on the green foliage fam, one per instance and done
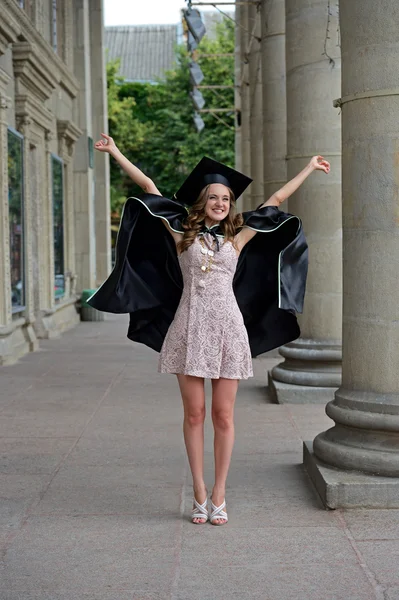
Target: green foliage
(153, 123)
(129, 132)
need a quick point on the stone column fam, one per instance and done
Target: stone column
(312, 368)
(85, 229)
(365, 437)
(39, 194)
(99, 124)
(274, 97)
(237, 88)
(47, 300)
(245, 103)
(255, 95)
(24, 127)
(5, 281)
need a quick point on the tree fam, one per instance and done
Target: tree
(157, 120)
(125, 128)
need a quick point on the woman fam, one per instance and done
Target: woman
(208, 328)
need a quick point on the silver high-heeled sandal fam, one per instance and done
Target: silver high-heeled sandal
(218, 512)
(200, 511)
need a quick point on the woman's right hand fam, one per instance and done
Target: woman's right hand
(105, 146)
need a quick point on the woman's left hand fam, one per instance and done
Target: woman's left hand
(320, 164)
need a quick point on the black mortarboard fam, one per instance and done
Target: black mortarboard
(210, 171)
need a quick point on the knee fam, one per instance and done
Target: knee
(194, 418)
(222, 420)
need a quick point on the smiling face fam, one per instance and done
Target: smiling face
(218, 203)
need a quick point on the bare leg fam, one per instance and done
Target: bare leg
(223, 398)
(193, 396)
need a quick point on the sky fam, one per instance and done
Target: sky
(144, 12)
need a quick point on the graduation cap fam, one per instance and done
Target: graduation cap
(210, 171)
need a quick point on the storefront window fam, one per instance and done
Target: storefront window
(58, 221)
(16, 219)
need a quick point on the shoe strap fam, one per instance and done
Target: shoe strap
(218, 512)
(200, 511)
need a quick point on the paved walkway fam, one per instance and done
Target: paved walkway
(95, 490)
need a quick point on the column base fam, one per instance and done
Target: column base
(349, 489)
(313, 363)
(286, 393)
(16, 339)
(52, 323)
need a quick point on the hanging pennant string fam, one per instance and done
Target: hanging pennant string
(215, 5)
(236, 22)
(251, 34)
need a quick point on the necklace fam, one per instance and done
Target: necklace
(207, 254)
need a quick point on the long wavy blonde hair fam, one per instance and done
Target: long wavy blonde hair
(196, 219)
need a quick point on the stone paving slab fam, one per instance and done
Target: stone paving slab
(32, 455)
(95, 492)
(382, 557)
(98, 595)
(277, 582)
(370, 524)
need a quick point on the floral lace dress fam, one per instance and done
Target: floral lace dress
(207, 337)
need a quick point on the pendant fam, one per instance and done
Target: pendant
(204, 250)
(203, 268)
(211, 252)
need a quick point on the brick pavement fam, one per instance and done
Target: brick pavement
(95, 491)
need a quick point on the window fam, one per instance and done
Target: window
(27, 6)
(57, 9)
(58, 224)
(54, 24)
(16, 219)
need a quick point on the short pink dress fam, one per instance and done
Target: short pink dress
(207, 337)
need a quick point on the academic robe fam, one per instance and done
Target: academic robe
(146, 281)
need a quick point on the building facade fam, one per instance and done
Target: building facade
(54, 190)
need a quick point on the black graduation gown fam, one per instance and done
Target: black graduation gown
(146, 282)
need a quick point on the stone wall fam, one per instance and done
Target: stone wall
(46, 105)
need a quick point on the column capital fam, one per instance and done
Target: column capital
(24, 124)
(5, 101)
(48, 138)
(67, 133)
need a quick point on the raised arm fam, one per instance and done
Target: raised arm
(318, 163)
(146, 184)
